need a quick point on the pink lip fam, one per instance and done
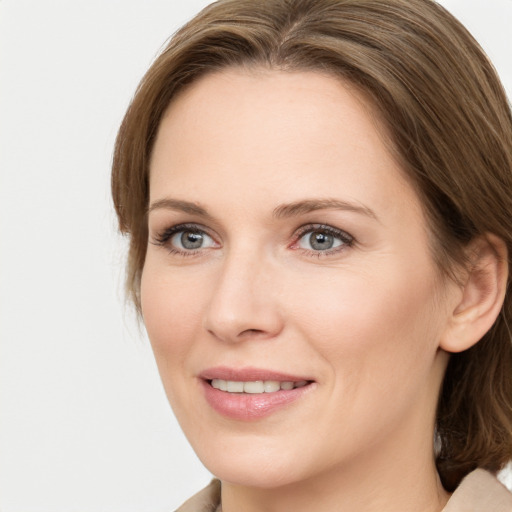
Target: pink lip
(249, 374)
(245, 406)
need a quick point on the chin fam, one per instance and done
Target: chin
(253, 474)
(253, 466)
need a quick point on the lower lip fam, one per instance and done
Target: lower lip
(248, 406)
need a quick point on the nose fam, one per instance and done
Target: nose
(244, 303)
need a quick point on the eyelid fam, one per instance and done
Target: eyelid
(164, 236)
(347, 239)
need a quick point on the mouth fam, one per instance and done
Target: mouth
(250, 394)
(256, 386)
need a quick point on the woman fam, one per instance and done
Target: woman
(317, 194)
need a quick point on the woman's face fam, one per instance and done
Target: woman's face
(289, 292)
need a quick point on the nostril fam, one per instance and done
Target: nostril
(255, 334)
(251, 331)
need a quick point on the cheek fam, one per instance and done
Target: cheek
(372, 323)
(171, 309)
(377, 336)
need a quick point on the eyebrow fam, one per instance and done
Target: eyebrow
(179, 205)
(310, 205)
(294, 209)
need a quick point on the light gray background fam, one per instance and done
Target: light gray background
(84, 424)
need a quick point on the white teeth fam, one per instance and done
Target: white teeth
(220, 384)
(271, 386)
(254, 387)
(234, 386)
(258, 386)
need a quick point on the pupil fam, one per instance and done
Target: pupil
(321, 241)
(191, 240)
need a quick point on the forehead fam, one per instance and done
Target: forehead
(291, 105)
(272, 136)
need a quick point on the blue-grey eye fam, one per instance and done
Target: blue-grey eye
(190, 240)
(319, 240)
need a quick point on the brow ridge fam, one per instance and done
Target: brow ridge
(179, 205)
(294, 209)
(310, 205)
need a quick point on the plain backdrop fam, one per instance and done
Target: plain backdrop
(84, 423)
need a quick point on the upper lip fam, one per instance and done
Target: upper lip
(249, 374)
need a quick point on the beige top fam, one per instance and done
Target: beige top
(478, 492)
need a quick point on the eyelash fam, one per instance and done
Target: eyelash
(346, 239)
(163, 238)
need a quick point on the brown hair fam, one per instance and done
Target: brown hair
(450, 125)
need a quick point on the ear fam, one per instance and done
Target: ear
(480, 296)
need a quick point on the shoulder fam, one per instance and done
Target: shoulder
(480, 492)
(206, 500)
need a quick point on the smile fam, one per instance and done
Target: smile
(251, 394)
(254, 387)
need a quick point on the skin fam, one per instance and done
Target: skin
(366, 321)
